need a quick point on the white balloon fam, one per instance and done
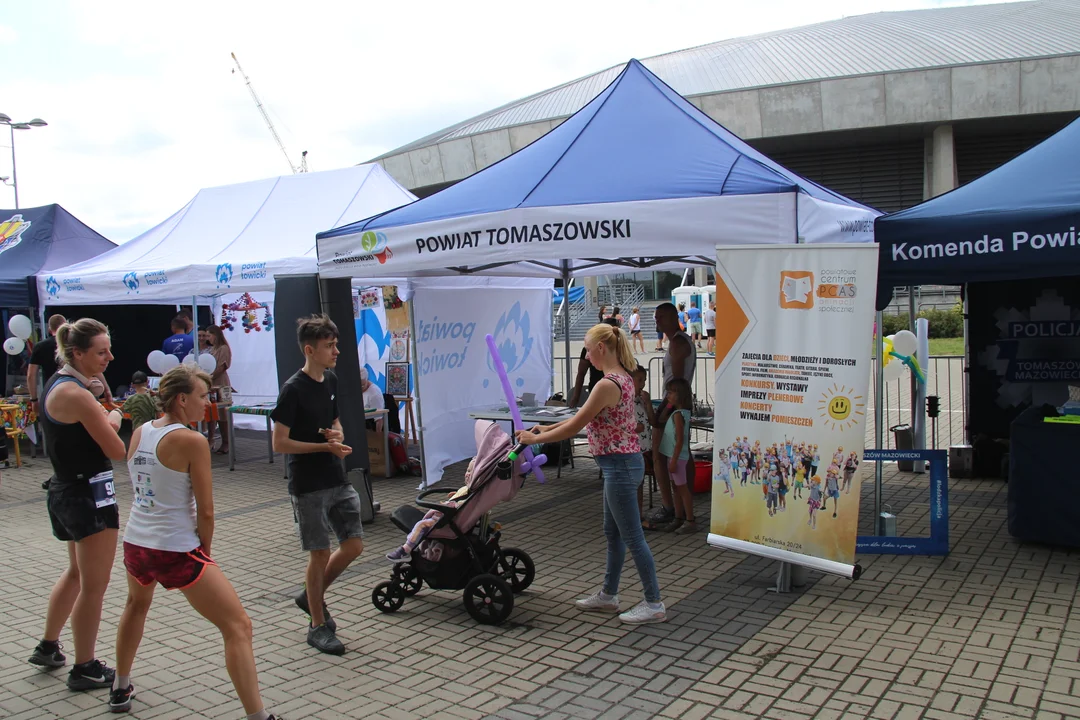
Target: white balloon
(154, 360)
(20, 326)
(190, 359)
(905, 342)
(894, 370)
(14, 345)
(207, 362)
(169, 363)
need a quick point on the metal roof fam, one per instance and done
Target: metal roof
(860, 45)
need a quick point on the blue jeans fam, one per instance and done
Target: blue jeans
(622, 523)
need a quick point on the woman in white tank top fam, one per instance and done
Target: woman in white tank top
(168, 536)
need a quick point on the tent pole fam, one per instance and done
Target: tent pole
(416, 390)
(914, 380)
(879, 434)
(195, 326)
(964, 380)
(566, 328)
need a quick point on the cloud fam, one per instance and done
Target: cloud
(144, 108)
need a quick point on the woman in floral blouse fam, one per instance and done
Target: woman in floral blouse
(608, 417)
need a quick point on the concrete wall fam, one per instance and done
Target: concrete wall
(933, 96)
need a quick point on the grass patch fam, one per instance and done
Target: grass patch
(940, 346)
(947, 346)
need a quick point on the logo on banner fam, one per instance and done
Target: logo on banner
(1037, 354)
(374, 247)
(131, 282)
(514, 342)
(796, 289)
(11, 231)
(52, 287)
(224, 274)
(374, 243)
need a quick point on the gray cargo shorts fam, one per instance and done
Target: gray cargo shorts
(316, 513)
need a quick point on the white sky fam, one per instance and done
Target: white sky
(143, 108)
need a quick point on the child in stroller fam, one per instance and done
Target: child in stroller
(454, 546)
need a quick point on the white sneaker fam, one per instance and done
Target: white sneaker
(642, 613)
(595, 603)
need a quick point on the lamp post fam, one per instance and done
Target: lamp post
(13, 126)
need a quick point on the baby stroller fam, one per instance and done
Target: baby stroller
(462, 550)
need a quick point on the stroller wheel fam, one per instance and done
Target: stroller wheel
(388, 596)
(489, 599)
(517, 569)
(409, 580)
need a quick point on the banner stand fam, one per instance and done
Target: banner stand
(789, 576)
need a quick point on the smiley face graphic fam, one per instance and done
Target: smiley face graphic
(839, 408)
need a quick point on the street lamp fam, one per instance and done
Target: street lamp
(13, 126)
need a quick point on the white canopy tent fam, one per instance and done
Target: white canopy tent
(225, 247)
(228, 239)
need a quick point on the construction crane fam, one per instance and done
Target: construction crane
(262, 111)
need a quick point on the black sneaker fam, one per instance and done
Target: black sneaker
(120, 699)
(48, 655)
(90, 676)
(302, 603)
(324, 640)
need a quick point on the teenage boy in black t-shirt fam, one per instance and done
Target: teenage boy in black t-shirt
(308, 428)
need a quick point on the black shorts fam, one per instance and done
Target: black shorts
(635, 332)
(74, 515)
(711, 332)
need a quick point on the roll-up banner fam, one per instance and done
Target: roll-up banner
(794, 330)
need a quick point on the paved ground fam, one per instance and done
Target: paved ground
(991, 631)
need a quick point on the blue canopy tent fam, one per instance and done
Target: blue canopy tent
(1017, 222)
(638, 178)
(1010, 237)
(37, 240)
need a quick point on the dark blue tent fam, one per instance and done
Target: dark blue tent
(37, 240)
(1020, 221)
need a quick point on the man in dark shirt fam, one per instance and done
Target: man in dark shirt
(43, 361)
(308, 428)
(180, 343)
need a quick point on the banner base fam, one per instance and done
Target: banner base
(851, 572)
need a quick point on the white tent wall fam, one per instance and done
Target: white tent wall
(253, 374)
(451, 363)
(450, 318)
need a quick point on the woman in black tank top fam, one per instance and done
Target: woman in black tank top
(82, 441)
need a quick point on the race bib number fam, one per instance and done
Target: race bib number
(102, 489)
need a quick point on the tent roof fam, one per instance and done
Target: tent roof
(41, 239)
(267, 223)
(1030, 206)
(638, 141)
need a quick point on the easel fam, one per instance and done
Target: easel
(410, 421)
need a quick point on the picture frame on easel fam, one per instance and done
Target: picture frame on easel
(397, 378)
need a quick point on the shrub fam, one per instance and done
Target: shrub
(942, 323)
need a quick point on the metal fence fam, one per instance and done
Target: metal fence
(945, 378)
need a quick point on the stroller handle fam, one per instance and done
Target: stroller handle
(446, 510)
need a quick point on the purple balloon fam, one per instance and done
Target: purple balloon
(532, 462)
